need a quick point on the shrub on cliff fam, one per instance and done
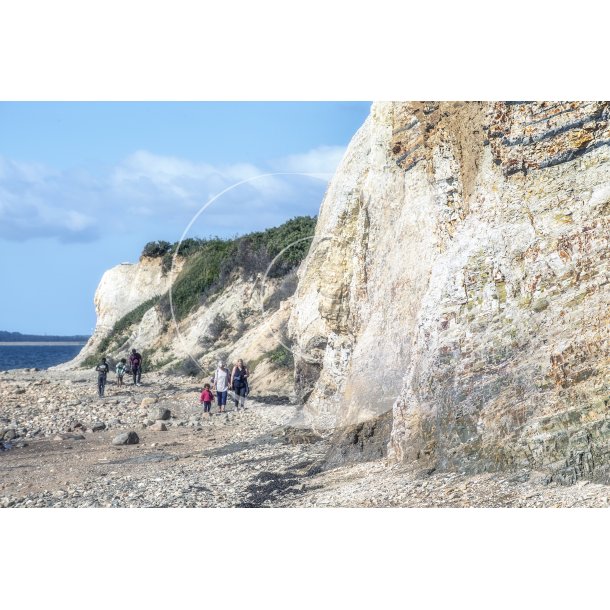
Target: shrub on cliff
(281, 357)
(154, 249)
(211, 262)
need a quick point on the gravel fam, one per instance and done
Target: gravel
(257, 457)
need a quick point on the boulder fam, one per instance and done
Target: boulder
(98, 426)
(126, 438)
(9, 434)
(159, 426)
(149, 400)
(161, 413)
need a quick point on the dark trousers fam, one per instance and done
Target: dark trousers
(207, 406)
(101, 384)
(137, 374)
(240, 395)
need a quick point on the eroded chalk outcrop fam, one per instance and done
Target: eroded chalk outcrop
(459, 279)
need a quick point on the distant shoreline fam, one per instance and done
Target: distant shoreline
(40, 343)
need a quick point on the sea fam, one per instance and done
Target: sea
(36, 355)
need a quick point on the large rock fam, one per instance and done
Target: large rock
(9, 434)
(126, 438)
(161, 413)
(149, 400)
(158, 426)
(98, 426)
(459, 279)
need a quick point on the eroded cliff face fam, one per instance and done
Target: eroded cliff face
(120, 290)
(459, 278)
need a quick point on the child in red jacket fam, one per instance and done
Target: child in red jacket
(207, 398)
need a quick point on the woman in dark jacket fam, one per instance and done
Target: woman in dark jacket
(239, 383)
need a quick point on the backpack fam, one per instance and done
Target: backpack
(239, 377)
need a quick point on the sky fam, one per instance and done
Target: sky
(83, 186)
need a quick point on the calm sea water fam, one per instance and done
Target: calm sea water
(35, 356)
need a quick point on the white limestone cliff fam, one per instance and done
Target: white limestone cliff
(459, 284)
(121, 289)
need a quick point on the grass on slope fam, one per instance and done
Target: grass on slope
(210, 265)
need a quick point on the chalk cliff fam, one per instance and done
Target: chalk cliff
(452, 311)
(458, 284)
(120, 290)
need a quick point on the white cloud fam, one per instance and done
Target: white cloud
(160, 192)
(321, 160)
(29, 206)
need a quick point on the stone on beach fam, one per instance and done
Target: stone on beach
(162, 413)
(126, 438)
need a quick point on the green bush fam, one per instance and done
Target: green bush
(129, 319)
(188, 247)
(257, 250)
(91, 361)
(154, 249)
(211, 262)
(205, 271)
(281, 357)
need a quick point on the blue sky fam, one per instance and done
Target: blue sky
(83, 186)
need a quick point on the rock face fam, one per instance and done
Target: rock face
(459, 279)
(120, 290)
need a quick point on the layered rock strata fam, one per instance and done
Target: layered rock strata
(459, 278)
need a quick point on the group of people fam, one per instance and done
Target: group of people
(222, 381)
(134, 367)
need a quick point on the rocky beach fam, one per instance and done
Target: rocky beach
(59, 452)
(436, 336)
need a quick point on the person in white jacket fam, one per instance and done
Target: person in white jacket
(220, 382)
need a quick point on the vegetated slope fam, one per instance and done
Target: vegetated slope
(217, 306)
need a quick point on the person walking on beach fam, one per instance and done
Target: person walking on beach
(220, 381)
(121, 367)
(102, 371)
(207, 397)
(135, 361)
(239, 383)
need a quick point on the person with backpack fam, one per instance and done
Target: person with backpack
(239, 383)
(220, 382)
(102, 371)
(135, 361)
